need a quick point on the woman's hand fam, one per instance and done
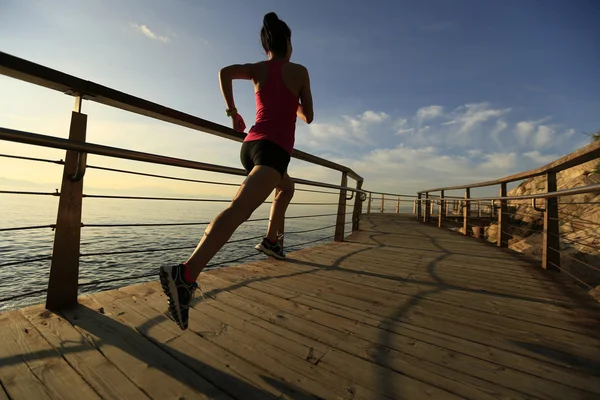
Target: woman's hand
(238, 122)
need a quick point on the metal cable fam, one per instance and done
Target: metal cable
(147, 275)
(153, 250)
(30, 193)
(17, 296)
(195, 223)
(188, 179)
(310, 230)
(123, 171)
(22, 228)
(143, 224)
(580, 202)
(312, 241)
(571, 275)
(102, 196)
(576, 216)
(46, 258)
(574, 259)
(60, 162)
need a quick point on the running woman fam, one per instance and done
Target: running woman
(282, 93)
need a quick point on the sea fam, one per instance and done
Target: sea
(118, 254)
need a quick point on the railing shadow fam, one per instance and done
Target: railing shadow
(134, 342)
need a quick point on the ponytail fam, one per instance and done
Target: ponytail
(275, 34)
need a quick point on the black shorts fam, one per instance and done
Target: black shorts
(264, 152)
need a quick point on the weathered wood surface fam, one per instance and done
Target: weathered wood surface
(399, 310)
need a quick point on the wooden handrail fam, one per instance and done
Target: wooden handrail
(37, 74)
(585, 154)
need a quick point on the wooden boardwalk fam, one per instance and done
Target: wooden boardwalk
(400, 310)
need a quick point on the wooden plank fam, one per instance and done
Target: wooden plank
(222, 368)
(24, 345)
(371, 262)
(3, 394)
(515, 308)
(343, 345)
(417, 368)
(389, 301)
(361, 375)
(578, 347)
(467, 344)
(16, 377)
(440, 356)
(288, 369)
(271, 333)
(98, 372)
(518, 362)
(150, 368)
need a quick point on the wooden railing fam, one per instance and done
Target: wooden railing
(497, 207)
(63, 282)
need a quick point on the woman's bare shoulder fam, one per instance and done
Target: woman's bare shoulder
(299, 67)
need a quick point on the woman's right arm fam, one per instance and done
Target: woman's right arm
(305, 108)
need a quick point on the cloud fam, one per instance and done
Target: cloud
(539, 158)
(500, 127)
(430, 112)
(523, 130)
(475, 152)
(470, 116)
(149, 34)
(543, 136)
(401, 126)
(353, 130)
(372, 116)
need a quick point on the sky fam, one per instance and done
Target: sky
(411, 95)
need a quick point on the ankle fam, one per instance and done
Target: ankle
(187, 274)
(272, 241)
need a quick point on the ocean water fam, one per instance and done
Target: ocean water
(150, 246)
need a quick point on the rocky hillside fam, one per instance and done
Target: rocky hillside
(579, 223)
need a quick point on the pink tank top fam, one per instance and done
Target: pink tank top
(276, 108)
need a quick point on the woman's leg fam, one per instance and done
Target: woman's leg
(285, 192)
(252, 193)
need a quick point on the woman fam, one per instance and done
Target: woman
(282, 93)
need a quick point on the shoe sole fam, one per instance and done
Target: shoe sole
(268, 252)
(170, 290)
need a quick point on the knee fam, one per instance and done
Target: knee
(287, 192)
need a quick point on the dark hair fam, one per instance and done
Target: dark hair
(274, 35)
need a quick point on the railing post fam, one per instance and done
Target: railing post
(398, 206)
(382, 202)
(502, 238)
(441, 216)
(467, 211)
(419, 206)
(340, 222)
(369, 203)
(479, 209)
(551, 237)
(426, 214)
(415, 205)
(357, 207)
(64, 270)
